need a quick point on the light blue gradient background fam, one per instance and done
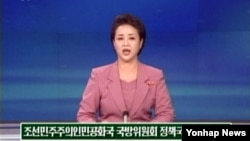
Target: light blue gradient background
(49, 47)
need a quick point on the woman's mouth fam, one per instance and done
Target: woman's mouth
(126, 51)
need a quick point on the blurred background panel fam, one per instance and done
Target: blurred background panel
(50, 46)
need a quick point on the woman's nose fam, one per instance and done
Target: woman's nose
(126, 42)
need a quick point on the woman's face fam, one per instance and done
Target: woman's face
(127, 43)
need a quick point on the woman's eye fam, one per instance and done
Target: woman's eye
(131, 38)
(119, 38)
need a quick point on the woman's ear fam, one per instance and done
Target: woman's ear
(141, 43)
(113, 42)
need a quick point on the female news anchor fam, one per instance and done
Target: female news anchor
(126, 89)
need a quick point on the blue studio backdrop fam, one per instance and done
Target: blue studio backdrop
(49, 47)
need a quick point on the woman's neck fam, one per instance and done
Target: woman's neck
(127, 65)
(128, 70)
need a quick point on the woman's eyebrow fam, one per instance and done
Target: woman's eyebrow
(130, 34)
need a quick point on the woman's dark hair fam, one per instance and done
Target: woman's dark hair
(130, 20)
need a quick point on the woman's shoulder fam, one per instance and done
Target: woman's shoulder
(152, 72)
(151, 69)
(102, 68)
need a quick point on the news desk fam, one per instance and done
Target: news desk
(10, 132)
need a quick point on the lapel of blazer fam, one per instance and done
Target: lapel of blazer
(115, 88)
(141, 89)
